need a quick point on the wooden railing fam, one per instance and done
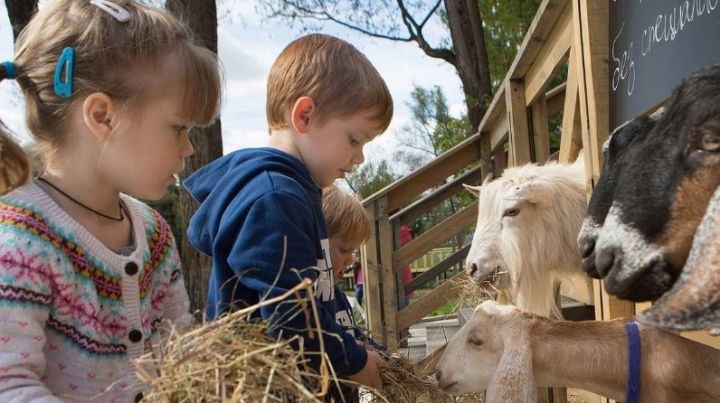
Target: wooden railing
(514, 131)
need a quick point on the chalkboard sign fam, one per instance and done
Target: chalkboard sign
(654, 44)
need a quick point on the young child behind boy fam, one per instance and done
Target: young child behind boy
(89, 276)
(260, 214)
(348, 227)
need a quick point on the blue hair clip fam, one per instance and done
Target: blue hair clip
(66, 64)
(10, 71)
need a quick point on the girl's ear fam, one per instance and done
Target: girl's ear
(300, 114)
(99, 114)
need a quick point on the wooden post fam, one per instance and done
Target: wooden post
(570, 139)
(388, 288)
(373, 283)
(485, 153)
(541, 136)
(590, 19)
(500, 160)
(517, 117)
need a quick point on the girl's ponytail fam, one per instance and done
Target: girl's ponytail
(14, 164)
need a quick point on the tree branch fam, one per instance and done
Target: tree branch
(438, 53)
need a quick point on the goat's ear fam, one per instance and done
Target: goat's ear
(473, 189)
(513, 380)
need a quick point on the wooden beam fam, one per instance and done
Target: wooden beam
(555, 99)
(427, 303)
(595, 93)
(540, 29)
(499, 133)
(500, 160)
(427, 203)
(438, 269)
(388, 289)
(430, 175)
(432, 237)
(541, 134)
(485, 154)
(591, 44)
(434, 173)
(373, 280)
(517, 116)
(570, 139)
(550, 58)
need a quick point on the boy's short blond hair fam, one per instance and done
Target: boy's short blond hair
(337, 76)
(345, 217)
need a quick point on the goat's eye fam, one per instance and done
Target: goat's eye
(474, 340)
(511, 212)
(710, 142)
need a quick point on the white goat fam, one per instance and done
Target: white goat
(528, 223)
(509, 353)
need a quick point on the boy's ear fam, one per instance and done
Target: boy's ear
(300, 114)
(99, 114)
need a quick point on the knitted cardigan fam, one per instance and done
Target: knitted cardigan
(73, 313)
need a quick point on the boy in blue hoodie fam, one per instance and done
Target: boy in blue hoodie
(260, 216)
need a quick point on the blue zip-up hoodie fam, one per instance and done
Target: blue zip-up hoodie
(260, 219)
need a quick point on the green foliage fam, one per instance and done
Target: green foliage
(431, 130)
(169, 208)
(371, 177)
(505, 23)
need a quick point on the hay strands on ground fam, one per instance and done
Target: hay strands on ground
(233, 360)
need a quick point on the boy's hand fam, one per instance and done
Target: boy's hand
(369, 375)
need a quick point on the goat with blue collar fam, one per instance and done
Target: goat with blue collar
(509, 353)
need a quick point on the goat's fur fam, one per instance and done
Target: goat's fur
(694, 300)
(508, 353)
(536, 247)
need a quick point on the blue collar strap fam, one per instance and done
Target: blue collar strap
(633, 388)
(10, 71)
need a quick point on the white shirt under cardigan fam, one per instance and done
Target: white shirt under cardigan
(73, 313)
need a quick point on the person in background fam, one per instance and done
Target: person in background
(405, 238)
(359, 278)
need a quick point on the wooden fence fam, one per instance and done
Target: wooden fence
(514, 131)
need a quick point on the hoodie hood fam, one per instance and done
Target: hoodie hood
(216, 185)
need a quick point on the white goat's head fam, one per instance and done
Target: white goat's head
(527, 226)
(491, 352)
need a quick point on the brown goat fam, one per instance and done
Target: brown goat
(509, 353)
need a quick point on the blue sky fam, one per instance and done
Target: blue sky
(247, 48)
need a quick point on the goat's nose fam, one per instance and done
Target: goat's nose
(472, 269)
(587, 246)
(604, 260)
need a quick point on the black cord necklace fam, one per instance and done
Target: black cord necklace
(122, 217)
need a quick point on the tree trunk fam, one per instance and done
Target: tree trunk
(468, 39)
(201, 17)
(20, 12)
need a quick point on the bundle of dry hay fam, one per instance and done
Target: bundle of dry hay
(472, 294)
(405, 382)
(233, 360)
